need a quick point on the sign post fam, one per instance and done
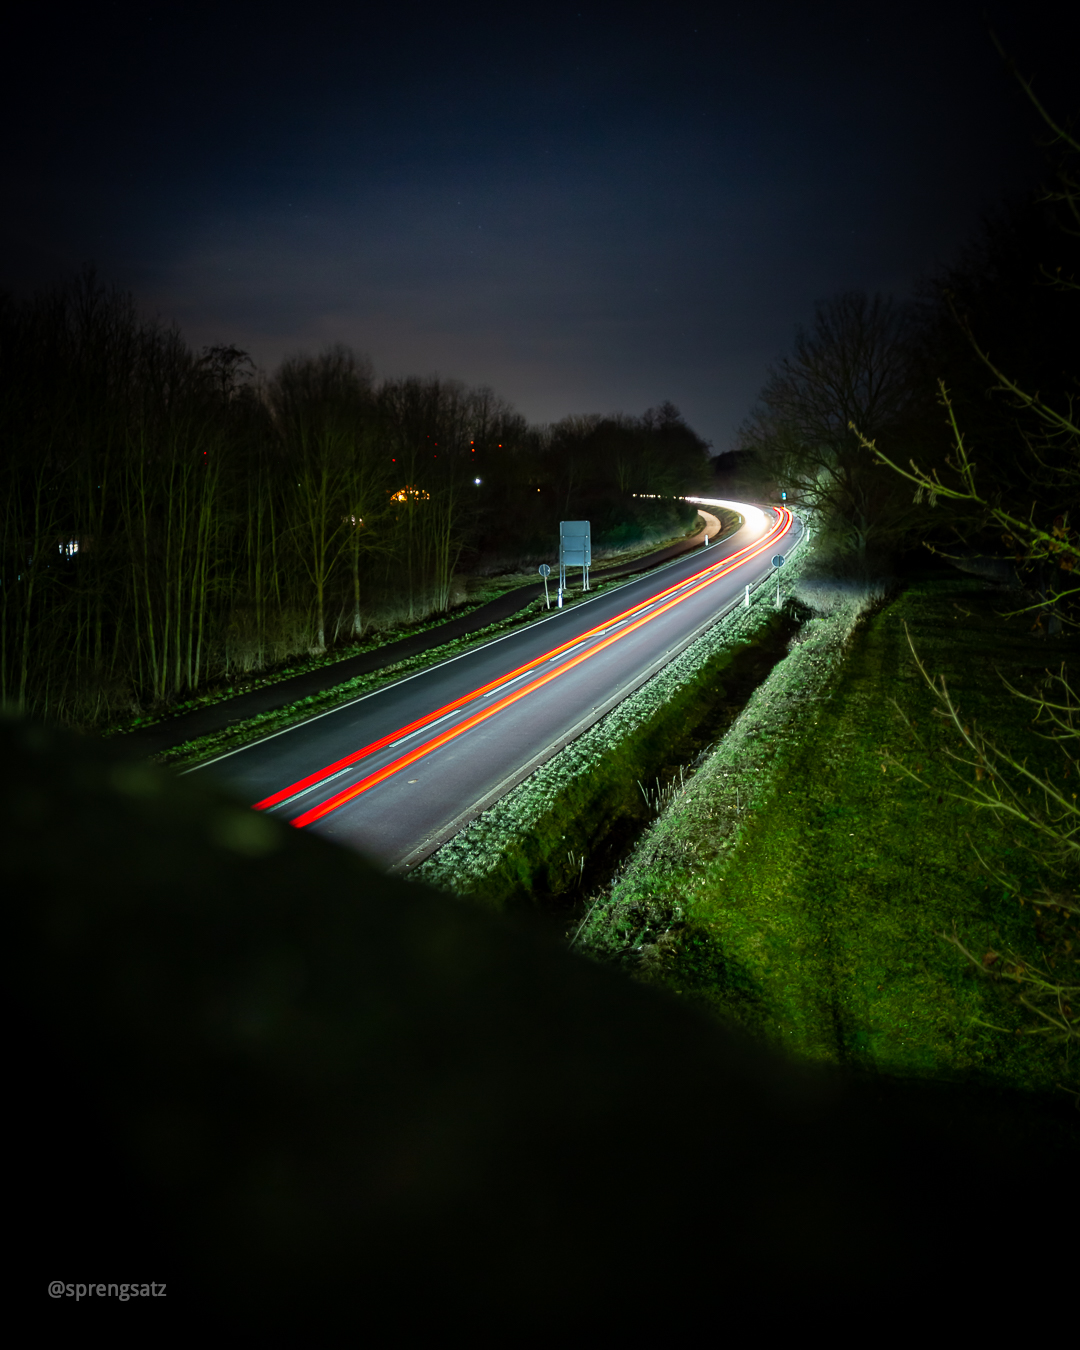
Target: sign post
(778, 562)
(545, 572)
(575, 550)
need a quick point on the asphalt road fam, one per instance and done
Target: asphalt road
(397, 772)
(204, 721)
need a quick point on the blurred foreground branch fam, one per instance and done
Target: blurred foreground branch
(1046, 819)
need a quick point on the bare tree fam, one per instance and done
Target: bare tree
(851, 367)
(322, 408)
(1036, 532)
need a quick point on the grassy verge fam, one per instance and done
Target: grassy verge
(800, 883)
(490, 587)
(382, 637)
(240, 733)
(548, 840)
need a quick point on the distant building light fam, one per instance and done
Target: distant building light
(476, 481)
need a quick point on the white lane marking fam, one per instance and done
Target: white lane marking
(426, 727)
(556, 617)
(463, 710)
(692, 584)
(311, 788)
(505, 684)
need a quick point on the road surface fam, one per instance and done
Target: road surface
(396, 773)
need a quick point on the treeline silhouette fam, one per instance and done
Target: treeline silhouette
(171, 518)
(978, 341)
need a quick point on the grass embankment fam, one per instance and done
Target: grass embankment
(801, 883)
(561, 832)
(481, 591)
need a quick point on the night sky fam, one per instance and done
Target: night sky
(589, 208)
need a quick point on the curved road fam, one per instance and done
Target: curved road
(396, 773)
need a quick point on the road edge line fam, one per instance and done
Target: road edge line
(421, 852)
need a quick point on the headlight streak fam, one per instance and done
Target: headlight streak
(626, 623)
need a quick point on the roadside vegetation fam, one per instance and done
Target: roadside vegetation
(896, 887)
(774, 829)
(812, 879)
(173, 521)
(552, 838)
(189, 753)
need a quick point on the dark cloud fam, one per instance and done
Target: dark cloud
(584, 207)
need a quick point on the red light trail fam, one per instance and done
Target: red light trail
(627, 622)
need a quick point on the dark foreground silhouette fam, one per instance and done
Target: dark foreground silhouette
(303, 1095)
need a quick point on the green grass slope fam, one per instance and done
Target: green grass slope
(811, 910)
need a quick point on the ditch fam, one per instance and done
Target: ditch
(576, 847)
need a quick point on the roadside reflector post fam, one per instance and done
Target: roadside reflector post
(746, 602)
(560, 598)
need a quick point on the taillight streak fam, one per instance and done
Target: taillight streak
(702, 579)
(440, 714)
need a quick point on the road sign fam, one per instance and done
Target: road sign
(575, 550)
(545, 570)
(778, 560)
